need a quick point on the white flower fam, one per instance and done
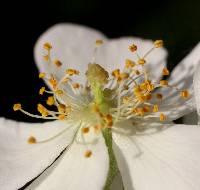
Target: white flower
(152, 153)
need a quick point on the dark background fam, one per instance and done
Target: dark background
(176, 22)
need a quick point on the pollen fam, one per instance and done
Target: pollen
(61, 108)
(61, 117)
(57, 63)
(88, 153)
(99, 42)
(32, 140)
(165, 72)
(141, 61)
(155, 108)
(42, 110)
(42, 75)
(162, 117)
(116, 73)
(184, 94)
(72, 72)
(50, 101)
(109, 120)
(133, 48)
(53, 81)
(47, 46)
(42, 90)
(158, 43)
(76, 85)
(85, 130)
(129, 63)
(17, 107)
(159, 96)
(164, 83)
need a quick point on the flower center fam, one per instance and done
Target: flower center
(107, 98)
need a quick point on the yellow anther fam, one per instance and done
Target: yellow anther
(99, 42)
(47, 46)
(88, 153)
(65, 80)
(129, 63)
(137, 90)
(141, 61)
(46, 57)
(59, 92)
(61, 117)
(57, 63)
(165, 72)
(148, 97)
(133, 48)
(155, 108)
(184, 94)
(146, 109)
(109, 120)
(50, 101)
(141, 97)
(42, 90)
(17, 107)
(137, 72)
(85, 130)
(72, 72)
(97, 128)
(158, 43)
(32, 140)
(162, 117)
(61, 108)
(159, 96)
(42, 75)
(138, 111)
(53, 81)
(42, 110)
(76, 85)
(164, 83)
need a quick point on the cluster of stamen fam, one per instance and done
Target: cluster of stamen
(124, 94)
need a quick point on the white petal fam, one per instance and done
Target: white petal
(182, 77)
(166, 159)
(73, 171)
(113, 54)
(197, 88)
(20, 162)
(72, 44)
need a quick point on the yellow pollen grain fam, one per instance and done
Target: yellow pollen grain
(47, 46)
(57, 63)
(164, 83)
(116, 73)
(61, 117)
(155, 108)
(50, 101)
(32, 140)
(165, 72)
(72, 72)
(88, 153)
(17, 107)
(76, 85)
(137, 72)
(42, 110)
(85, 130)
(109, 120)
(146, 109)
(46, 57)
(129, 63)
(141, 61)
(42, 75)
(61, 108)
(53, 82)
(133, 48)
(99, 42)
(159, 96)
(42, 90)
(158, 43)
(184, 94)
(124, 75)
(139, 111)
(65, 80)
(148, 97)
(162, 117)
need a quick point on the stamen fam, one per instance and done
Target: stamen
(85, 130)
(42, 90)
(133, 48)
(32, 140)
(47, 46)
(88, 153)
(162, 117)
(17, 107)
(184, 94)
(158, 43)
(57, 63)
(165, 72)
(50, 101)
(164, 83)
(141, 61)
(42, 75)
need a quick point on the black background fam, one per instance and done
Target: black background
(176, 22)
